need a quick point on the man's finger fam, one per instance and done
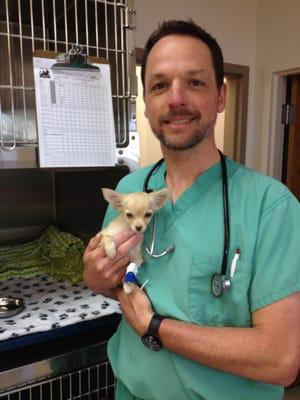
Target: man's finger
(122, 237)
(94, 242)
(127, 245)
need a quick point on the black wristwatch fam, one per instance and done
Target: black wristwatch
(151, 338)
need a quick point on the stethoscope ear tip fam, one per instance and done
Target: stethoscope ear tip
(170, 248)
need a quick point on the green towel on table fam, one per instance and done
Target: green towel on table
(55, 253)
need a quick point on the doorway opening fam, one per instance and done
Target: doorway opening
(291, 141)
(284, 155)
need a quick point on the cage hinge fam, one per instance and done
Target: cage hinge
(287, 114)
(130, 15)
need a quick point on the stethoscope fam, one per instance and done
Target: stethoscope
(220, 283)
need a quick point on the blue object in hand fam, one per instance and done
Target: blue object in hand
(130, 277)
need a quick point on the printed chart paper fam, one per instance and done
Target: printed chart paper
(74, 115)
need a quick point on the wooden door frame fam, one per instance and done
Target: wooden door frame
(241, 112)
(276, 128)
(292, 178)
(241, 72)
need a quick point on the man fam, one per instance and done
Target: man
(244, 344)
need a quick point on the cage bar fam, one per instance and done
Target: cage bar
(69, 386)
(83, 373)
(99, 26)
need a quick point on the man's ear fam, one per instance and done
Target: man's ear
(159, 197)
(145, 112)
(145, 105)
(113, 197)
(222, 98)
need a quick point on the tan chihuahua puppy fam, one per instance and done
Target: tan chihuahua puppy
(136, 210)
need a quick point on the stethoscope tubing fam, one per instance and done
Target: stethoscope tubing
(150, 173)
(225, 210)
(226, 213)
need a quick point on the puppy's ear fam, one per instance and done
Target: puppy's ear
(159, 197)
(113, 197)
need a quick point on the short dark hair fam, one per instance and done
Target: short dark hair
(186, 28)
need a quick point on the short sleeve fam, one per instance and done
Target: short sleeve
(277, 254)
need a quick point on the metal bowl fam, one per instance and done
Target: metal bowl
(10, 306)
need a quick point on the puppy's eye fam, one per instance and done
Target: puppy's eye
(129, 215)
(148, 214)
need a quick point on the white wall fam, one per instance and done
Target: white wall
(278, 31)
(232, 22)
(263, 34)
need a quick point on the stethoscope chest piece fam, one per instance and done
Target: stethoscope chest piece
(219, 284)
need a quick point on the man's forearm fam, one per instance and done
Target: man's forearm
(242, 351)
(269, 351)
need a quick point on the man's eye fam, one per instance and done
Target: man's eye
(148, 214)
(129, 215)
(159, 86)
(196, 83)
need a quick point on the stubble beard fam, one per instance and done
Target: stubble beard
(173, 142)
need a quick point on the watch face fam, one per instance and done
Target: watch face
(152, 342)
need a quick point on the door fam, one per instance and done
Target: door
(291, 147)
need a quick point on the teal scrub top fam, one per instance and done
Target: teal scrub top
(265, 226)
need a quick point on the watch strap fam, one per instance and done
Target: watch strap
(151, 338)
(154, 325)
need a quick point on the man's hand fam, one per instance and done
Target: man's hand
(101, 274)
(136, 308)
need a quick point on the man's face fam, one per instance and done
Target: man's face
(181, 95)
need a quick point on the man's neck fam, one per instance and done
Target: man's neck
(183, 167)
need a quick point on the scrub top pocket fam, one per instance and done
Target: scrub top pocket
(231, 309)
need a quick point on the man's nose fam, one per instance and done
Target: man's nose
(177, 96)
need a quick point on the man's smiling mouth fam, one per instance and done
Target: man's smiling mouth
(180, 121)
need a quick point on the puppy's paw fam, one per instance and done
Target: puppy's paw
(128, 287)
(109, 247)
(136, 256)
(138, 260)
(111, 251)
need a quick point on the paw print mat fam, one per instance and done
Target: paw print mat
(50, 304)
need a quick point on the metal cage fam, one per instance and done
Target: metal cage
(92, 383)
(84, 374)
(103, 28)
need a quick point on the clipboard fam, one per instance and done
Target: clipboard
(74, 108)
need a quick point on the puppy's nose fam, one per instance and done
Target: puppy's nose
(138, 228)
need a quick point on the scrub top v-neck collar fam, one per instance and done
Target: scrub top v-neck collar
(210, 177)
